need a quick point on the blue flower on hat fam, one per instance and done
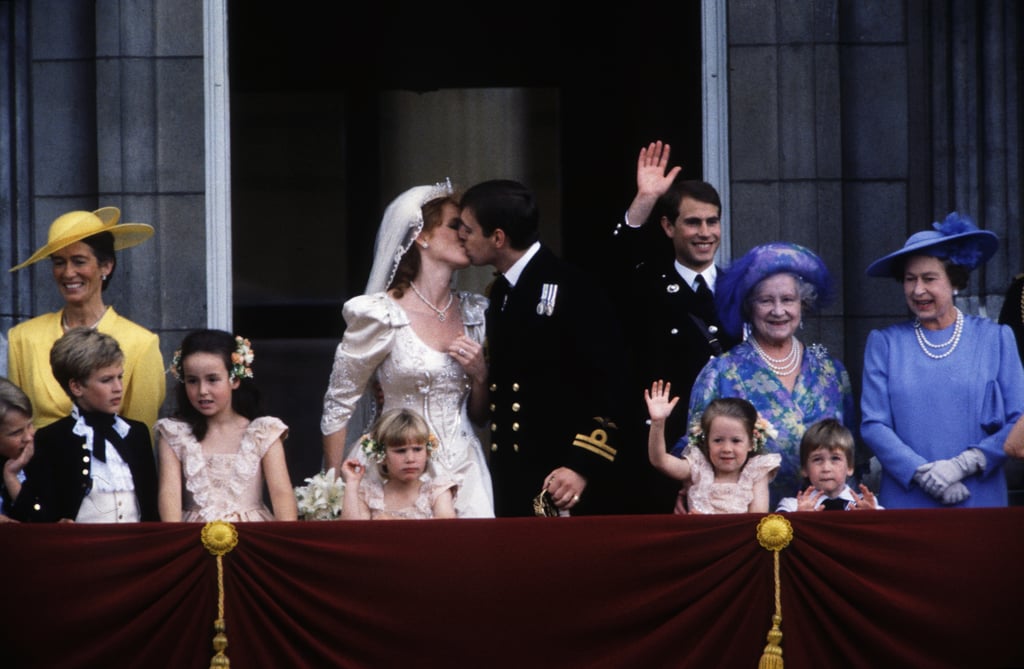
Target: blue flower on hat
(964, 253)
(956, 239)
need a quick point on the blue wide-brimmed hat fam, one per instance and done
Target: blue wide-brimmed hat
(759, 263)
(956, 239)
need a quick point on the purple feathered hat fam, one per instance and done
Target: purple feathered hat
(957, 239)
(759, 263)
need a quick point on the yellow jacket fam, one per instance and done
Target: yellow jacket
(28, 366)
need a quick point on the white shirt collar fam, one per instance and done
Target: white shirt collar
(516, 270)
(689, 276)
(83, 430)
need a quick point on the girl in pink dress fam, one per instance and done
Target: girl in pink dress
(398, 483)
(724, 466)
(216, 454)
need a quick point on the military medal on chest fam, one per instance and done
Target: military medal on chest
(546, 306)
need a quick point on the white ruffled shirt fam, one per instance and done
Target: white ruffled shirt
(114, 475)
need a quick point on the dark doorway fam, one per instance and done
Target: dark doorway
(306, 132)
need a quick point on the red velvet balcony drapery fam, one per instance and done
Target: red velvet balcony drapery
(932, 588)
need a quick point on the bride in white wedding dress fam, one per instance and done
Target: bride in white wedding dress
(412, 341)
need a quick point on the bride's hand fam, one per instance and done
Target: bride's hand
(470, 355)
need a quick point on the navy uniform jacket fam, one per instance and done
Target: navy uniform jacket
(555, 380)
(657, 309)
(665, 339)
(57, 478)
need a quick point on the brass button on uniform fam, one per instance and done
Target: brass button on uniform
(494, 386)
(515, 407)
(515, 427)
(493, 407)
(494, 448)
(494, 427)
(515, 447)
(515, 387)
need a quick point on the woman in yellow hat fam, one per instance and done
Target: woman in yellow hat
(81, 247)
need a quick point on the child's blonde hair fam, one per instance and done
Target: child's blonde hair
(396, 427)
(827, 433)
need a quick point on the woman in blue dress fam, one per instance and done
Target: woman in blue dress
(942, 391)
(763, 297)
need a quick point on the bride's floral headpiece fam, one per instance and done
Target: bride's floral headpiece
(241, 361)
(763, 431)
(375, 450)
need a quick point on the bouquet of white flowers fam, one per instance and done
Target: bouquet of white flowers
(321, 498)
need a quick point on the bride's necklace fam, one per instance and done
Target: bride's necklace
(785, 365)
(440, 312)
(951, 343)
(64, 320)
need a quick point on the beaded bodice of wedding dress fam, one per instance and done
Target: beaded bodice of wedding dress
(381, 348)
(430, 382)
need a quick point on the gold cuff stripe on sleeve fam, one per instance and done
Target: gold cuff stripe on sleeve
(596, 442)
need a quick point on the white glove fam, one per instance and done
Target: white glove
(936, 477)
(955, 493)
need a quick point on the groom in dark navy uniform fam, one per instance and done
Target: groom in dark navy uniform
(667, 306)
(556, 372)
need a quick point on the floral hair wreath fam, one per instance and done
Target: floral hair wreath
(763, 431)
(241, 361)
(375, 450)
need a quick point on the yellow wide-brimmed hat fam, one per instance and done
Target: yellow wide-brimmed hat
(75, 226)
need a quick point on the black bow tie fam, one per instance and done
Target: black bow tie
(837, 504)
(102, 425)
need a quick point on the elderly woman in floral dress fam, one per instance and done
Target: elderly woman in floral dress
(763, 296)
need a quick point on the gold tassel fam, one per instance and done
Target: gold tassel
(774, 533)
(219, 537)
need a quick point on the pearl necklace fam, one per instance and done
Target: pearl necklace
(440, 312)
(952, 342)
(785, 365)
(66, 326)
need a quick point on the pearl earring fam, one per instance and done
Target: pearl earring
(956, 291)
(103, 277)
(425, 245)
